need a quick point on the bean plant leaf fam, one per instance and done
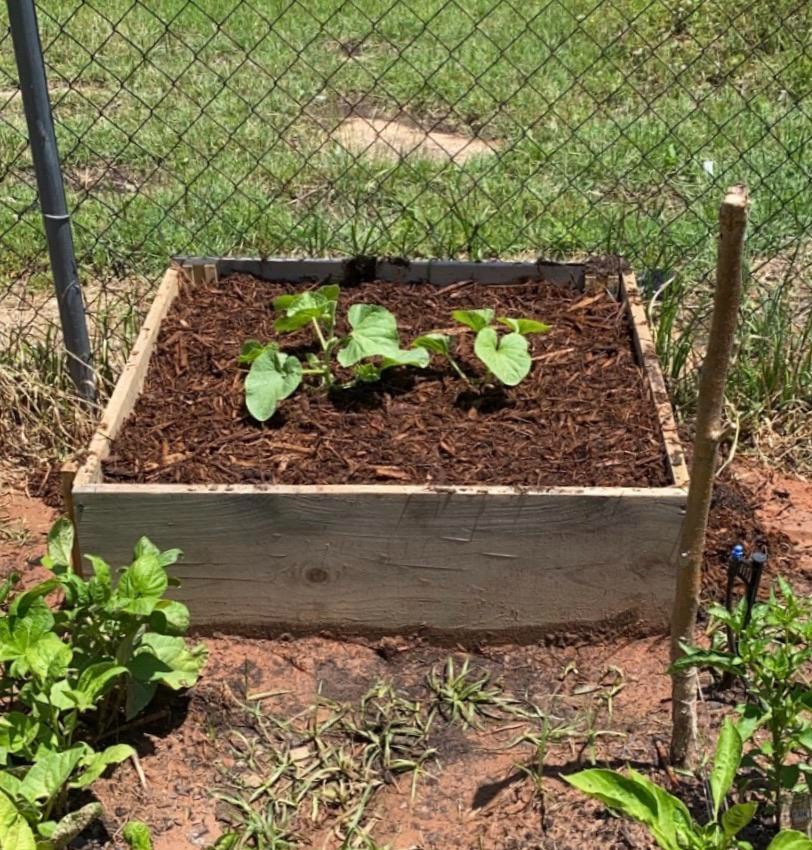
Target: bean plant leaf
(374, 334)
(474, 319)
(50, 773)
(524, 326)
(170, 617)
(725, 764)
(94, 764)
(736, 818)
(407, 357)
(436, 343)
(15, 833)
(60, 544)
(506, 357)
(17, 732)
(141, 585)
(790, 839)
(273, 376)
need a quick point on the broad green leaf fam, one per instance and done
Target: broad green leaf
(506, 357)
(15, 833)
(17, 731)
(752, 718)
(137, 835)
(100, 586)
(374, 334)
(273, 376)
(170, 617)
(144, 546)
(141, 585)
(702, 658)
(46, 656)
(474, 319)
(304, 307)
(725, 764)
(736, 818)
(31, 603)
(804, 738)
(94, 764)
(60, 543)
(97, 679)
(50, 773)
(436, 343)
(250, 350)
(673, 818)
(139, 696)
(10, 786)
(790, 839)
(407, 357)
(788, 775)
(618, 792)
(178, 665)
(524, 326)
(73, 824)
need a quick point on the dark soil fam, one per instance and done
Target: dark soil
(582, 418)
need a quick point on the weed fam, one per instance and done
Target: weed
(461, 696)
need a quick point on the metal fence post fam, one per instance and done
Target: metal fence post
(36, 102)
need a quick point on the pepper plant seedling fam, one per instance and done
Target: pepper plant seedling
(505, 357)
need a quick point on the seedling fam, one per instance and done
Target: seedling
(668, 819)
(773, 651)
(370, 348)
(506, 357)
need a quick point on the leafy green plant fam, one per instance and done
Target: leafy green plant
(667, 818)
(370, 348)
(68, 671)
(506, 357)
(137, 835)
(774, 649)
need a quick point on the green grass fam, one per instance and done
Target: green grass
(219, 116)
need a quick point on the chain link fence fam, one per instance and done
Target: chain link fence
(484, 128)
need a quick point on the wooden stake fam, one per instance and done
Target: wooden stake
(66, 475)
(732, 221)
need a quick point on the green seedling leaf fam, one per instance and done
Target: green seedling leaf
(97, 679)
(506, 357)
(141, 585)
(620, 793)
(524, 326)
(305, 307)
(374, 334)
(273, 376)
(137, 835)
(474, 319)
(407, 357)
(790, 839)
(725, 764)
(736, 818)
(17, 732)
(367, 373)
(145, 546)
(50, 773)
(250, 350)
(436, 343)
(60, 544)
(15, 833)
(94, 764)
(170, 618)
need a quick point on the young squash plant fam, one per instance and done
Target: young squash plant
(72, 670)
(772, 658)
(506, 357)
(370, 348)
(667, 818)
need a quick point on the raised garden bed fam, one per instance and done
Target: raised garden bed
(414, 502)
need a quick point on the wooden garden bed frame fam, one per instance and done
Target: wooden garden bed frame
(392, 558)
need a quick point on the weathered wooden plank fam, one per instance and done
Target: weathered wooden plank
(647, 356)
(130, 381)
(390, 561)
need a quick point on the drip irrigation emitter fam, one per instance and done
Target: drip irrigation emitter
(749, 571)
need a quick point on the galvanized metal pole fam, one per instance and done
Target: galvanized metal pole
(31, 68)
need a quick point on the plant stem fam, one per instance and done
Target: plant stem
(456, 367)
(320, 335)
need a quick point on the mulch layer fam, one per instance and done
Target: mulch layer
(582, 418)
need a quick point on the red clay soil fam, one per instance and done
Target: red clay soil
(583, 417)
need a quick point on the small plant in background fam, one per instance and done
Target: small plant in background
(370, 348)
(506, 357)
(70, 672)
(667, 818)
(773, 651)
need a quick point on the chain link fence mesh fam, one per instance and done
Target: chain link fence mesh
(484, 128)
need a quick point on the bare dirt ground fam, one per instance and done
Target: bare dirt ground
(474, 792)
